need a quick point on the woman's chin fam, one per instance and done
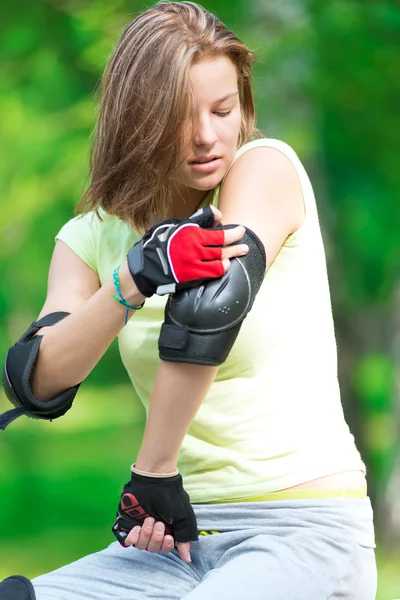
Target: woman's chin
(207, 182)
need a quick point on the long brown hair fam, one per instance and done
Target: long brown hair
(144, 103)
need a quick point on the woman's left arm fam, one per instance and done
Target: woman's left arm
(263, 192)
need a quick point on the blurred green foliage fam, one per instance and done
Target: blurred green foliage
(327, 83)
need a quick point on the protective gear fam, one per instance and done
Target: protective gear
(17, 587)
(17, 372)
(177, 254)
(201, 324)
(162, 498)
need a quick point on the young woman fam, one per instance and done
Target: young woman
(247, 412)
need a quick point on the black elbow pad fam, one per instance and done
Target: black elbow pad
(17, 372)
(17, 587)
(201, 323)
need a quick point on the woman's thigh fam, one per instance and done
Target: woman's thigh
(293, 550)
(120, 573)
(317, 549)
(278, 568)
(305, 550)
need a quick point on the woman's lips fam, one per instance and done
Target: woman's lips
(207, 167)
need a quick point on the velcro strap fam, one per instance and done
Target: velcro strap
(10, 416)
(172, 336)
(51, 319)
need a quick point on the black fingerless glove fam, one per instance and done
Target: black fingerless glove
(177, 253)
(162, 498)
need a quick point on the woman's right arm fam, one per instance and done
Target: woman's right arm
(71, 348)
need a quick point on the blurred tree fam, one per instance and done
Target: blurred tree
(326, 83)
(49, 72)
(357, 95)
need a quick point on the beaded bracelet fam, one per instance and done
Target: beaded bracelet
(120, 298)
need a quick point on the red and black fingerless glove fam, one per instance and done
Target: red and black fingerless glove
(177, 253)
(162, 498)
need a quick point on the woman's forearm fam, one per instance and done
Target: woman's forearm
(70, 349)
(178, 392)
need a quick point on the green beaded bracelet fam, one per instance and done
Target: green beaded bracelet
(120, 298)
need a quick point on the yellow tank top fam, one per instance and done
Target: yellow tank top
(273, 417)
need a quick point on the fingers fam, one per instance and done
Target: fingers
(141, 535)
(226, 263)
(159, 542)
(151, 536)
(226, 252)
(184, 551)
(233, 251)
(217, 214)
(132, 536)
(168, 544)
(234, 235)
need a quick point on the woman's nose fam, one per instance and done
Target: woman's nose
(205, 134)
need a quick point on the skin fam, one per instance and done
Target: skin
(71, 348)
(273, 209)
(216, 131)
(276, 210)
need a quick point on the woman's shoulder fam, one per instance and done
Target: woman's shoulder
(94, 224)
(280, 145)
(279, 160)
(96, 235)
(267, 143)
(262, 142)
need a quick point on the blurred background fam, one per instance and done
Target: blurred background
(327, 83)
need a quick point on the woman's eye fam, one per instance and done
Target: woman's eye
(223, 114)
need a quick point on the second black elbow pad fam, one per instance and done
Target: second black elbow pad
(17, 372)
(201, 324)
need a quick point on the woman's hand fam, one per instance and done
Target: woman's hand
(180, 253)
(149, 497)
(152, 537)
(230, 237)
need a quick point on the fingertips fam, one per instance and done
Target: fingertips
(168, 544)
(226, 263)
(184, 551)
(234, 235)
(236, 250)
(217, 214)
(238, 232)
(133, 536)
(242, 249)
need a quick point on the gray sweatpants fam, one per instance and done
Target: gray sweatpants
(276, 550)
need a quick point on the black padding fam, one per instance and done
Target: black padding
(17, 372)
(17, 587)
(202, 323)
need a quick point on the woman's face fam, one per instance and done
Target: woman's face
(216, 128)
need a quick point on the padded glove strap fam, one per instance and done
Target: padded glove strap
(17, 372)
(202, 323)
